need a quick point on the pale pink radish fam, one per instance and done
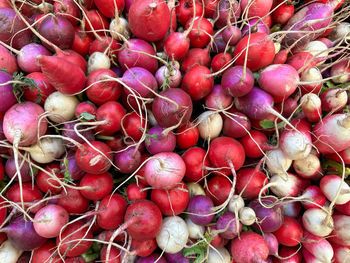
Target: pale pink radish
(341, 72)
(311, 75)
(311, 106)
(318, 246)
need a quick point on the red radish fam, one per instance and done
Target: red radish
(249, 248)
(341, 254)
(301, 61)
(200, 210)
(94, 157)
(198, 82)
(8, 60)
(281, 57)
(49, 220)
(290, 233)
(220, 61)
(58, 30)
(71, 243)
(345, 155)
(99, 22)
(259, 44)
(289, 255)
(68, 9)
(330, 184)
(96, 186)
(249, 182)
(136, 191)
(113, 256)
(111, 206)
(176, 45)
(333, 99)
(187, 136)
(82, 41)
(255, 26)
(63, 75)
(107, 46)
(318, 246)
(21, 123)
(175, 112)
(144, 248)
(280, 80)
(254, 143)
(186, 10)
(332, 134)
(195, 164)
(257, 8)
(85, 107)
(309, 167)
(142, 24)
(226, 152)
(45, 253)
(108, 7)
(111, 113)
(47, 183)
(226, 12)
(33, 94)
(340, 72)
(133, 126)
(165, 170)
(313, 194)
(73, 201)
(315, 221)
(283, 12)
(237, 81)
(73, 57)
(218, 189)
(311, 106)
(195, 56)
(201, 31)
(236, 126)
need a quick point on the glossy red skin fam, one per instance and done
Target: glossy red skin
(224, 149)
(114, 254)
(73, 201)
(195, 56)
(283, 13)
(106, 43)
(281, 57)
(104, 91)
(250, 147)
(201, 32)
(108, 7)
(184, 10)
(3, 210)
(187, 136)
(236, 127)
(111, 206)
(8, 60)
(33, 94)
(171, 202)
(218, 190)
(133, 126)
(30, 193)
(3, 237)
(176, 45)
(2, 170)
(134, 192)
(100, 185)
(146, 219)
(45, 252)
(193, 159)
(220, 61)
(217, 241)
(197, 82)
(209, 8)
(85, 154)
(68, 9)
(112, 112)
(290, 233)
(4, 4)
(117, 143)
(261, 51)
(85, 107)
(46, 183)
(78, 247)
(301, 60)
(81, 43)
(144, 248)
(73, 57)
(98, 21)
(286, 252)
(254, 179)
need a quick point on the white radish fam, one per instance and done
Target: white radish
(46, 150)
(277, 162)
(210, 125)
(317, 49)
(330, 185)
(247, 216)
(309, 168)
(341, 31)
(314, 221)
(235, 204)
(284, 185)
(219, 255)
(295, 145)
(195, 189)
(195, 231)
(119, 26)
(8, 253)
(98, 60)
(63, 106)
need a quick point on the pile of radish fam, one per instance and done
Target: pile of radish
(178, 131)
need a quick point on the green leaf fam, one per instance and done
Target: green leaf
(346, 109)
(87, 116)
(198, 251)
(4, 70)
(327, 85)
(333, 167)
(67, 176)
(268, 124)
(25, 82)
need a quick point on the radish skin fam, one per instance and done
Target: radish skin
(219, 255)
(8, 253)
(62, 105)
(314, 221)
(277, 162)
(210, 125)
(98, 60)
(47, 150)
(311, 106)
(330, 184)
(194, 231)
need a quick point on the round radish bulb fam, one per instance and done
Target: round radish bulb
(219, 189)
(119, 26)
(330, 185)
(340, 234)
(229, 224)
(173, 235)
(157, 141)
(96, 186)
(231, 35)
(318, 49)
(237, 81)
(333, 99)
(73, 201)
(235, 204)
(311, 75)
(236, 126)
(200, 210)
(295, 145)
(61, 106)
(217, 98)
(277, 162)
(210, 125)
(309, 167)
(272, 243)
(318, 246)
(26, 170)
(155, 257)
(176, 257)
(47, 150)
(111, 206)
(195, 189)
(255, 26)
(176, 45)
(314, 197)
(219, 255)
(226, 11)
(69, 164)
(7, 94)
(197, 82)
(168, 76)
(26, 59)
(247, 216)
(314, 221)
(290, 232)
(194, 231)
(249, 182)
(98, 60)
(127, 160)
(49, 220)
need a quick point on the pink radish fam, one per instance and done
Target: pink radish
(333, 99)
(341, 233)
(318, 246)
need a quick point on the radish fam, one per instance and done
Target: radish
(49, 179)
(169, 76)
(340, 72)
(195, 56)
(66, 77)
(45, 253)
(220, 255)
(98, 60)
(61, 106)
(195, 189)
(219, 189)
(286, 185)
(40, 94)
(314, 197)
(111, 206)
(333, 99)
(25, 169)
(311, 106)
(318, 246)
(340, 234)
(247, 216)
(155, 257)
(200, 210)
(67, 9)
(8, 60)
(235, 204)
(127, 160)
(109, 116)
(277, 162)
(249, 248)
(119, 26)
(341, 31)
(255, 26)
(173, 235)
(254, 144)
(231, 35)
(30, 193)
(272, 243)
(194, 231)
(26, 58)
(199, 31)
(109, 8)
(311, 75)
(157, 141)
(252, 47)
(96, 186)
(73, 201)
(136, 191)
(217, 98)
(341, 254)
(249, 182)
(290, 232)
(330, 186)
(210, 125)
(49, 220)
(22, 235)
(237, 81)
(318, 49)
(314, 221)
(8, 97)
(187, 9)
(220, 62)
(142, 24)
(9, 253)
(228, 225)
(226, 12)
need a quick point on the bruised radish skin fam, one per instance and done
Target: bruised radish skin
(309, 167)
(249, 248)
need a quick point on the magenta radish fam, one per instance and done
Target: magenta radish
(318, 246)
(164, 170)
(279, 80)
(309, 167)
(226, 11)
(8, 60)
(26, 58)
(127, 160)
(200, 210)
(228, 225)
(311, 106)
(249, 248)
(272, 243)
(330, 185)
(7, 94)
(315, 221)
(157, 141)
(217, 98)
(169, 76)
(173, 234)
(268, 219)
(26, 171)
(333, 99)
(49, 220)
(237, 81)
(332, 134)
(231, 35)
(255, 26)
(22, 235)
